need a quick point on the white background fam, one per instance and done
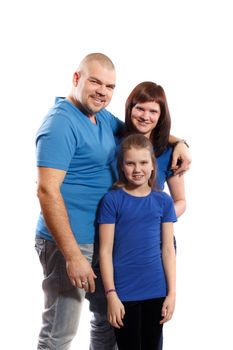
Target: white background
(186, 46)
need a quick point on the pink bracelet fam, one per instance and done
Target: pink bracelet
(109, 291)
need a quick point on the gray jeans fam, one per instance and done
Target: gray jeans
(102, 333)
(63, 303)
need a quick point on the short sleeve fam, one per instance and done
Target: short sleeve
(55, 142)
(107, 212)
(117, 125)
(164, 167)
(169, 214)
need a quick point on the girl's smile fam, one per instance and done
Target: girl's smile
(137, 167)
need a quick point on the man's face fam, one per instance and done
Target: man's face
(94, 86)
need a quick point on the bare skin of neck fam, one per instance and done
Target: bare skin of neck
(90, 116)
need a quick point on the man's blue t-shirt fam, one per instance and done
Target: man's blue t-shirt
(138, 268)
(69, 141)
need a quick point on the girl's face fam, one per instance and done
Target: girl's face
(145, 116)
(137, 166)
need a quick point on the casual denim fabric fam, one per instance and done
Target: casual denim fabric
(62, 301)
(102, 333)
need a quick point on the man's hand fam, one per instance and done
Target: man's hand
(181, 159)
(80, 273)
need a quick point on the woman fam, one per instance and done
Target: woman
(147, 113)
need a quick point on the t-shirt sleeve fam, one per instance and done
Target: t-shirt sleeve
(116, 124)
(169, 214)
(169, 172)
(55, 142)
(107, 211)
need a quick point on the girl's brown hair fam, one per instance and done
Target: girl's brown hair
(137, 141)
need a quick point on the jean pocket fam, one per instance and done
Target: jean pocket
(40, 249)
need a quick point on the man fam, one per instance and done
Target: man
(75, 159)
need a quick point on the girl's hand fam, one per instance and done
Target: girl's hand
(116, 311)
(168, 308)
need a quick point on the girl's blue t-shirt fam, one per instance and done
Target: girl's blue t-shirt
(69, 141)
(138, 268)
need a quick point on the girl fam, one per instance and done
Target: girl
(134, 220)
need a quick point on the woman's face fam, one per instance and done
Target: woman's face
(145, 116)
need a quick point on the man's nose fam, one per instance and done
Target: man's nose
(101, 90)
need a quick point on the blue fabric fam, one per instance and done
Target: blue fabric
(164, 167)
(69, 141)
(138, 268)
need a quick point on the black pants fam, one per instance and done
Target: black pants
(141, 330)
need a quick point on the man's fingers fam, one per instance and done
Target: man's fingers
(91, 283)
(181, 169)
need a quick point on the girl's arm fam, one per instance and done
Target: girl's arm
(169, 263)
(177, 190)
(115, 307)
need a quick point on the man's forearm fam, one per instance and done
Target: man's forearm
(173, 139)
(57, 221)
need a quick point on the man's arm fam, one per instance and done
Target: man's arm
(57, 221)
(181, 158)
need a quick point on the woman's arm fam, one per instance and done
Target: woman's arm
(177, 190)
(115, 307)
(169, 263)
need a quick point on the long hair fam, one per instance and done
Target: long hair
(148, 91)
(137, 141)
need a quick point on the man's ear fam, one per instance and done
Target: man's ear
(76, 77)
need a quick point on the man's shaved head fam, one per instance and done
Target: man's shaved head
(102, 59)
